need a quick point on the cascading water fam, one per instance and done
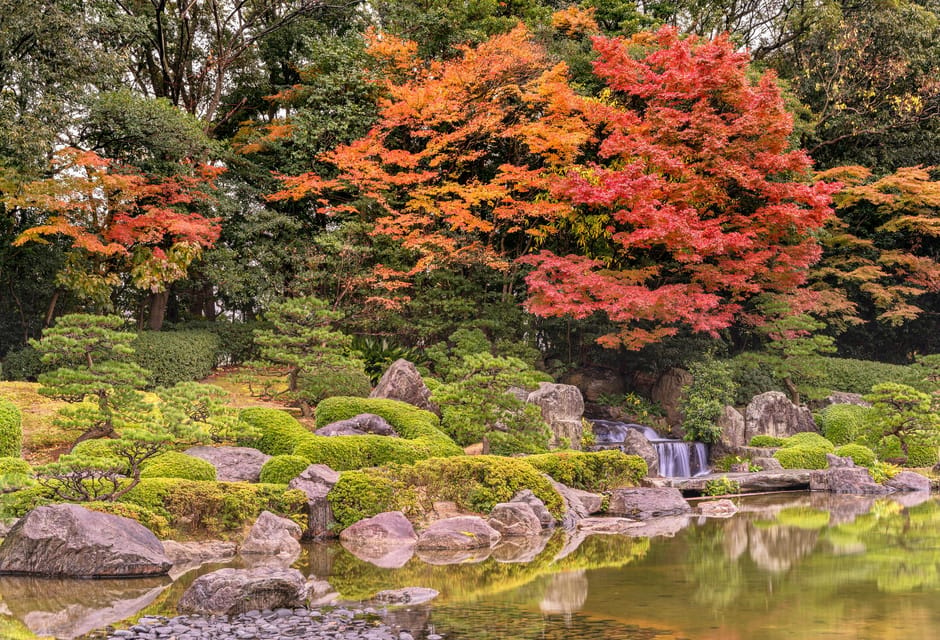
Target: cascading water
(677, 458)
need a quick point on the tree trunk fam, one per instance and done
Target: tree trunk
(792, 390)
(158, 304)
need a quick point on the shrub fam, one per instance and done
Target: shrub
(474, 483)
(11, 465)
(721, 486)
(407, 419)
(11, 429)
(277, 431)
(860, 454)
(236, 339)
(843, 423)
(176, 356)
(174, 464)
(156, 523)
(14, 474)
(766, 441)
(24, 364)
(342, 381)
(921, 456)
(103, 451)
(703, 401)
(283, 469)
(522, 431)
(596, 471)
(807, 438)
(803, 451)
(881, 472)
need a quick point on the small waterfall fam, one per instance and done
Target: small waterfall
(677, 458)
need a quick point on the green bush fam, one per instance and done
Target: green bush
(766, 441)
(860, 454)
(474, 483)
(703, 401)
(11, 429)
(597, 471)
(921, 456)
(24, 364)
(15, 473)
(843, 423)
(176, 356)
(318, 385)
(721, 486)
(283, 469)
(11, 465)
(174, 464)
(103, 451)
(156, 523)
(236, 339)
(807, 438)
(277, 431)
(804, 451)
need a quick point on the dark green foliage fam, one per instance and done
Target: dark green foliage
(766, 441)
(595, 471)
(804, 451)
(843, 423)
(24, 364)
(276, 432)
(11, 429)
(752, 376)
(174, 464)
(860, 454)
(339, 381)
(902, 412)
(703, 401)
(474, 483)
(522, 431)
(378, 354)
(177, 356)
(283, 469)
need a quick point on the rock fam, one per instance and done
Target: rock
(512, 519)
(316, 481)
(668, 391)
(574, 510)
(909, 481)
(665, 526)
(232, 591)
(562, 409)
(636, 443)
(717, 508)
(843, 476)
(232, 464)
(788, 479)
(460, 533)
(596, 382)
(383, 531)
(538, 507)
(592, 502)
(69, 540)
(772, 414)
(841, 397)
(358, 425)
(768, 464)
(273, 535)
(643, 503)
(403, 382)
(732, 437)
(408, 595)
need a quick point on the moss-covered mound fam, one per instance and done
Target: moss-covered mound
(860, 454)
(804, 451)
(11, 429)
(597, 471)
(174, 464)
(474, 483)
(766, 441)
(277, 432)
(283, 469)
(421, 437)
(843, 423)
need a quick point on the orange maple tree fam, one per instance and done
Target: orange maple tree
(119, 222)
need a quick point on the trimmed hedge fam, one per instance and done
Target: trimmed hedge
(860, 454)
(176, 356)
(766, 441)
(278, 431)
(843, 423)
(596, 471)
(804, 451)
(283, 469)
(24, 364)
(474, 483)
(11, 429)
(174, 464)
(421, 437)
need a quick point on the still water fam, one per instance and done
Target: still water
(795, 566)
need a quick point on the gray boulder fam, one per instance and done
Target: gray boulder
(909, 481)
(403, 382)
(364, 423)
(596, 382)
(636, 443)
(460, 533)
(768, 464)
(732, 438)
(232, 464)
(273, 535)
(843, 476)
(592, 502)
(842, 397)
(538, 507)
(230, 592)
(69, 540)
(643, 503)
(512, 519)
(562, 409)
(316, 481)
(772, 414)
(385, 530)
(574, 509)
(667, 392)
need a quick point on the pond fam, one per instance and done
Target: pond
(793, 566)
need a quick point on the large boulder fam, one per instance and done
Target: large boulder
(562, 408)
(232, 464)
(772, 414)
(596, 382)
(229, 592)
(364, 423)
(843, 476)
(273, 535)
(514, 519)
(574, 509)
(636, 443)
(667, 392)
(909, 481)
(732, 438)
(643, 503)
(842, 397)
(385, 530)
(69, 540)
(403, 382)
(460, 533)
(538, 507)
(316, 481)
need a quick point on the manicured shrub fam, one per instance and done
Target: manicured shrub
(921, 456)
(860, 454)
(176, 356)
(591, 471)
(804, 451)
(766, 441)
(24, 364)
(15, 474)
(283, 469)
(806, 438)
(277, 432)
(103, 451)
(174, 464)
(843, 423)
(11, 429)
(236, 339)
(721, 486)
(474, 483)
(10, 465)
(156, 523)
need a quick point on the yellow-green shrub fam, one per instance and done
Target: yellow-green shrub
(283, 469)
(174, 464)
(597, 471)
(278, 431)
(843, 423)
(766, 441)
(860, 454)
(804, 451)
(156, 523)
(11, 429)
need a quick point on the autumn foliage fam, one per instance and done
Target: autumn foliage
(671, 200)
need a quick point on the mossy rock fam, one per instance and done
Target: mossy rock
(860, 454)
(283, 469)
(843, 423)
(174, 464)
(591, 471)
(277, 431)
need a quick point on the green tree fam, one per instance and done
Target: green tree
(904, 413)
(703, 401)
